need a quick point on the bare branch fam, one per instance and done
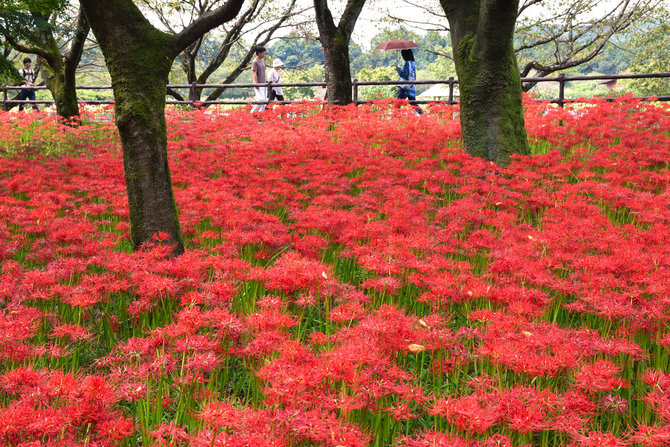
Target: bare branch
(350, 15)
(79, 39)
(205, 23)
(29, 49)
(175, 94)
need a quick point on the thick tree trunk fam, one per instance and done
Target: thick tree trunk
(335, 40)
(139, 62)
(337, 69)
(492, 118)
(140, 117)
(139, 58)
(62, 88)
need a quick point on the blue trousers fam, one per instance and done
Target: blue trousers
(404, 94)
(27, 94)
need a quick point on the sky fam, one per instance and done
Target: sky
(375, 15)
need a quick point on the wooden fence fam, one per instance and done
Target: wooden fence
(451, 82)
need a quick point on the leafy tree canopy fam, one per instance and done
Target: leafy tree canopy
(8, 73)
(22, 19)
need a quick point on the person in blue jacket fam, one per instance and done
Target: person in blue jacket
(408, 73)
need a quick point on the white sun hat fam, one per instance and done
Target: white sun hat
(277, 63)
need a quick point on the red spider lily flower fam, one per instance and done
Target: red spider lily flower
(161, 236)
(73, 332)
(169, 435)
(651, 436)
(401, 412)
(469, 413)
(221, 414)
(615, 403)
(434, 439)
(597, 439)
(314, 263)
(116, 429)
(600, 376)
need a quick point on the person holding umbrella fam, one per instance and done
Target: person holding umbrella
(407, 73)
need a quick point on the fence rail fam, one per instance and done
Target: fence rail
(356, 84)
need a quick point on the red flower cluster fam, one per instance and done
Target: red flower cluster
(352, 278)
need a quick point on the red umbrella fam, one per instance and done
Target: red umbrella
(397, 44)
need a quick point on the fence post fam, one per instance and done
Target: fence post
(355, 84)
(451, 90)
(4, 98)
(561, 89)
(192, 93)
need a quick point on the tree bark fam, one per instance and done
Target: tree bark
(62, 88)
(337, 69)
(139, 58)
(492, 120)
(335, 40)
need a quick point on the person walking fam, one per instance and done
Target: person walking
(407, 73)
(275, 78)
(258, 75)
(28, 75)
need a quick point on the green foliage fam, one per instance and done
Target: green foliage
(652, 55)
(614, 59)
(314, 73)
(297, 52)
(377, 91)
(8, 73)
(25, 19)
(442, 68)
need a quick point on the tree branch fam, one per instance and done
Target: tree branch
(527, 4)
(244, 64)
(73, 55)
(350, 16)
(324, 19)
(205, 23)
(439, 53)
(175, 94)
(25, 48)
(231, 37)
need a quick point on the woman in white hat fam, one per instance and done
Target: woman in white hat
(275, 78)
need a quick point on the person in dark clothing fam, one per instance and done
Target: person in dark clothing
(408, 73)
(28, 75)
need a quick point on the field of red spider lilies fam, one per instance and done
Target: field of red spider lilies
(352, 278)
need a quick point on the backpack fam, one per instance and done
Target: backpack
(25, 74)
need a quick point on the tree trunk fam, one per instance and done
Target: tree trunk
(337, 69)
(140, 117)
(139, 62)
(335, 40)
(492, 118)
(139, 58)
(62, 88)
